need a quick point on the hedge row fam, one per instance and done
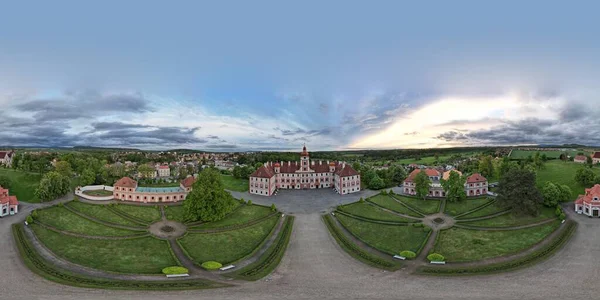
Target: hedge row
(374, 220)
(269, 261)
(532, 258)
(355, 251)
(475, 209)
(36, 263)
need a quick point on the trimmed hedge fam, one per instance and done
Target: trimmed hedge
(174, 270)
(475, 209)
(39, 265)
(408, 254)
(435, 257)
(355, 251)
(374, 220)
(211, 265)
(270, 260)
(532, 258)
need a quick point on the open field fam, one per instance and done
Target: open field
(23, 184)
(523, 154)
(228, 246)
(147, 213)
(369, 211)
(563, 173)
(458, 245)
(234, 184)
(387, 238)
(101, 212)
(486, 211)
(427, 207)
(145, 255)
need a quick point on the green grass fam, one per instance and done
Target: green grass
(229, 246)
(460, 245)
(391, 204)
(145, 255)
(101, 212)
(23, 184)
(428, 207)
(523, 154)
(147, 213)
(98, 193)
(513, 220)
(457, 208)
(561, 172)
(239, 216)
(62, 219)
(175, 213)
(486, 211)
(390, 239)
(234, 184)
(369, 211)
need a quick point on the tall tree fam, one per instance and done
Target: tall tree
(376, 183)
(63, 168)
(454, 187)
(518, 192)
(146, 171)
(88, 176)
(208, 201)
(486, 166)
(589, 161)
(422, 184)
(551, 193)
(52, 185)
(585, 176)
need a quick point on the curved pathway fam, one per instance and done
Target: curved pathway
(315, 267)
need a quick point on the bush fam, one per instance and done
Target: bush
(417, 225)
(383, 192)
(76, 198)
(391, 192)
(249, 203)
(174, 270)
(562, 216)
(242, 201)
(211, 265)
(34, 214)
(435, 257)
(29, 219)
(408, 254)
(361, 200)
(60, 204)
(273, 208)
(558, 211)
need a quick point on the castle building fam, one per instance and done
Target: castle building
(9, 205)
(476, 185)
(127, 189)
(304, 174)
(589, 203)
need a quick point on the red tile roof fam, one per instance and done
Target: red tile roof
(581, 157)
(476, 178)
(3, 154)
(347, 171)
(163, 167)
(428, 172)
(262, 172)
(589, 196)
(188, 182)
(596, 155)
(11, 200)
(291, 167)
(126, 182)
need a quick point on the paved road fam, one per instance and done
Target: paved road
(314, 267)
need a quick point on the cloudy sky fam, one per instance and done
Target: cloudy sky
(272, 75)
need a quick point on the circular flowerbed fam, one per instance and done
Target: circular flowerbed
(174, 270)
(167, 229)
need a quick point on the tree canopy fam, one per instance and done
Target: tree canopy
(52, 186)
(208, 201)
(555, 193)
(422, 184)
(518, 192)
(454, 187)
(585, 176)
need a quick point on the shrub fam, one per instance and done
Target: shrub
(242, 201)
(361, 200)
(435, 257)
(453, 212)
(60, 204)
(29, 219)
(211, 265)
(174, 270)
(76, 198)
(34, 214)
(478, 242)
(558, 211)
(562, 216)
(249, 203)
(383, 192)
(273, 208)
(391, 192)
(417, 224)
(408, 254)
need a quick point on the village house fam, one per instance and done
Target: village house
(163, 171)
(596, 158)
(589, 203)
(475, 185)
(305, 174)
(9, 205)
(581, 159)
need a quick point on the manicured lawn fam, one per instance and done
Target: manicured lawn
(564, 173)
(147, 213)
(458, 245)
(101, 212)
(457, 208)
(98, 193)
(140, 255)
(486, 211)
(234, 184)
(425, 206)
(513, 220)
(175, 213)
(369, 211)
(229, 246)
(387, 238)
(23, 184)
(391, 204)
(61, 218)
(240, 215)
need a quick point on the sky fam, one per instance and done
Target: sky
(273, 75)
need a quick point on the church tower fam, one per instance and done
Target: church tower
(304, 160)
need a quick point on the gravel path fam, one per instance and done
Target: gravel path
(315, 267)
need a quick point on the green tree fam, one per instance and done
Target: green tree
(208, 201)
(5, 182)
(551, 193)
(422, 184)
(454, 187)
(585, 176)
(87, 177)
(376, 183)
(52, 185)
(145, 171)
(506, 166)
(63, 168)
(589, 161)
(396, 175)
(486, 166)
(519, 193)
(565, 193)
